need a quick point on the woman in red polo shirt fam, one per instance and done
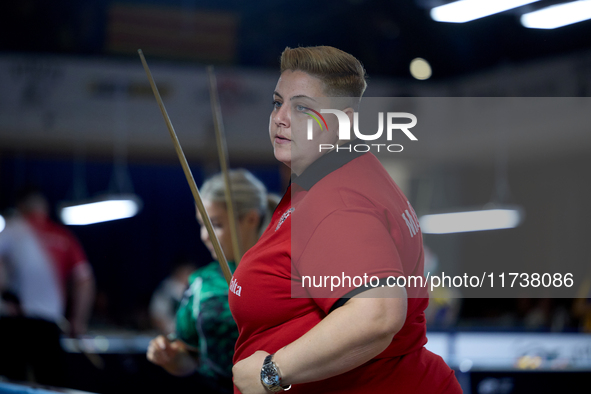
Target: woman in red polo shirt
(342, 217)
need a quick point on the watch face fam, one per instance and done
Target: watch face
(269, 375)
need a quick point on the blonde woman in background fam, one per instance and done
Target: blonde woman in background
(205, 330)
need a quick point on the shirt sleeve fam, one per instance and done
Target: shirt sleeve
(349, 249)
(78, 268)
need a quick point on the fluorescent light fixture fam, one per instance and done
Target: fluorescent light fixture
(558, 15)
(107, 208)
(494, 218)
(468, 10)
(2, 223)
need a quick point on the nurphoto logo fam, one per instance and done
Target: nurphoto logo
(345, 129)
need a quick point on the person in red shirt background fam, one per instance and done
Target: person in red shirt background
(59, 254)
(42, 266)
(74, 273)
(342, 214)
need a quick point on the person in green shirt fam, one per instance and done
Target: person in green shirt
(205, 330)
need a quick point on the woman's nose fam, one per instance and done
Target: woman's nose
(282, 117)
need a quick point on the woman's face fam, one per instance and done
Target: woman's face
(296, 92)
(221, 225)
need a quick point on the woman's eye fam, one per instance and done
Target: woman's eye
(276, 104)
(301, 108)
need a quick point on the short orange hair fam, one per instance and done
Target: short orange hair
(342, 74)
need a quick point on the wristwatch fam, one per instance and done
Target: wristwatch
(271, 377)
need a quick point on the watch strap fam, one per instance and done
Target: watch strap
(270, 365)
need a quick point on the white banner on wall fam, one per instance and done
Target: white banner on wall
(59, 103)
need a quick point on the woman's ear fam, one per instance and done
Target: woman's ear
(350, 112)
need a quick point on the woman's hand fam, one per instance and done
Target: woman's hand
(172, 356)
(348, 337)
(247, 374)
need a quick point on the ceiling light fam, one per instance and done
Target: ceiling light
(492, 218)
(119, 202)
(468, 10)
(420, 68)
(2, 223)
(558, 15)
(107, 208)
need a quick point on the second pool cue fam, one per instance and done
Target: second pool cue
(206, 221)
